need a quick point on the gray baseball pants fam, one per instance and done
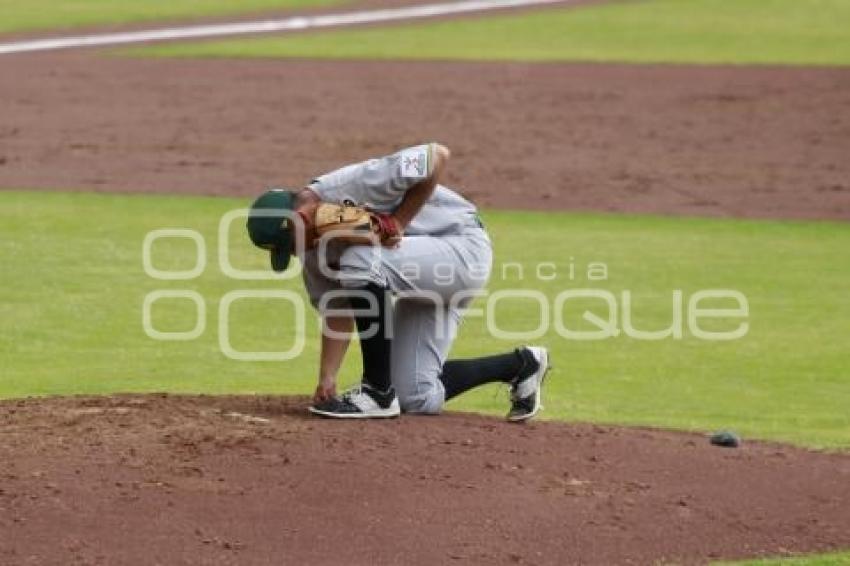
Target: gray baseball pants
(434, 279)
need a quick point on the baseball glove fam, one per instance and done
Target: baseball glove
(357, 225)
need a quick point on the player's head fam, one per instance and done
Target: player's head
(271, 225)
(279, 219)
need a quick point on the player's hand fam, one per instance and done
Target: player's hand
(325, 390)
(389, 230)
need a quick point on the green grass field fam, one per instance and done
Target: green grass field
(832, 559)
(73, 287)
(20, 15)
(799, 32)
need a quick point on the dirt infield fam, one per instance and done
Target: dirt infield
(254, 480)
(760, 142)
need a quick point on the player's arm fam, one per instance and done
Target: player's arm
(334, 346)
(416, 196)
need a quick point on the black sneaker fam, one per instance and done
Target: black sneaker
(525, 390)
(360, 402)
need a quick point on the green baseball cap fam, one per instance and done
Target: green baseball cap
(270, 227)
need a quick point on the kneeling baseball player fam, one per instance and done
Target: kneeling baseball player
(386, 249)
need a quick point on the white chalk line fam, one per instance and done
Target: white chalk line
(265, 26)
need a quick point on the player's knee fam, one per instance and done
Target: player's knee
(427, 403)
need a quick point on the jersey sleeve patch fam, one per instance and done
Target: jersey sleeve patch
(414, 162)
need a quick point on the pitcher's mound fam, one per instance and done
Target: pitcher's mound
(253, 480)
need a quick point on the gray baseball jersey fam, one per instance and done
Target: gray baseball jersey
(380, 184)
(444, 257)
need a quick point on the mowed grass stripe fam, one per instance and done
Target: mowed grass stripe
(28, 15)
(797, 32)
(72, 299)
(830, 559)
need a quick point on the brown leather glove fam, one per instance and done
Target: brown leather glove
(357, 225)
